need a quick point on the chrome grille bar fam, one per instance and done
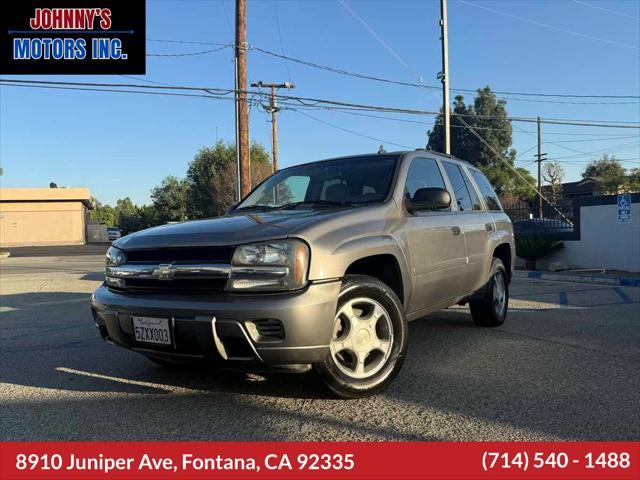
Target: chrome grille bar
(169, 271)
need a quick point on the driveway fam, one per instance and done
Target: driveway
(566, 365)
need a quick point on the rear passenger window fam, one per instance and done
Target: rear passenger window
(423, 173)
(463, 191)
(486, 190)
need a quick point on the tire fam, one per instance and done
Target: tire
(367, 351)
(491, 311)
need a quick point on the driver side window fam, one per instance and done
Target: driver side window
(423, 173)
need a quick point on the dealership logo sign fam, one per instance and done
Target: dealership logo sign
(38, 37)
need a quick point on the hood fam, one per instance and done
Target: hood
(229, 230)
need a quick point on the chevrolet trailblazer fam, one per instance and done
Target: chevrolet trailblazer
(321, 266)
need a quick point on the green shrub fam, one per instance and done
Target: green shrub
(532, 247)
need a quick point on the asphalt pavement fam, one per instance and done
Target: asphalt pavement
(565, 366)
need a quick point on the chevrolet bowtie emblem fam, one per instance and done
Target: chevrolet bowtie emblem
(163, 272)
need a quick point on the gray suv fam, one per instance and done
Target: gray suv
(320, 266)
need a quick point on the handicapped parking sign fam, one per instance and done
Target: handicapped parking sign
(624, 208)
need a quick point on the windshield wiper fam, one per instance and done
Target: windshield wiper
(325, 203)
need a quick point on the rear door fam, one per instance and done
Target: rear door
(502, 224)
(434, 241)
(477, 225)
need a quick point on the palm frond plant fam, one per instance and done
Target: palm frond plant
(532, 247)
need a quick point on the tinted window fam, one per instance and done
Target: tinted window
(344, 180)
(475, 200)
(464, 195)
(486, 190)
(423, 173)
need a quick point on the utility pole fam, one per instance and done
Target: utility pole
(273, 109)
(242, 109)
(539, 159)
(444, 76)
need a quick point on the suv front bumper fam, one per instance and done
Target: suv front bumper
(221, 328)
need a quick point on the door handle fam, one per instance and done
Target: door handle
(455, 230)
(488, 227)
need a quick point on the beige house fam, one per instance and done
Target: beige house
(43, 216)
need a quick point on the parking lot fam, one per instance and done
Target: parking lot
(566, 365)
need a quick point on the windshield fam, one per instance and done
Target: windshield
(344, 181)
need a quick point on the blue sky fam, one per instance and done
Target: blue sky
(122, 145)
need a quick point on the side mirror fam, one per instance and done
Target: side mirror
(232, 208)
(429, 199)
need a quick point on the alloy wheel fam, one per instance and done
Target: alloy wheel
(362, 338)
(499, 293)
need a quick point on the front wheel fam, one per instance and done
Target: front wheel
(369, 339)
(491, 310)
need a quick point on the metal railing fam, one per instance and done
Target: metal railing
(557, 219)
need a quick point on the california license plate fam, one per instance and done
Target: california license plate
(152, 330)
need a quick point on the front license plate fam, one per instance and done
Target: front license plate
(152, 330)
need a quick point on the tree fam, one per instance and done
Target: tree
(211, 178)
(208, 191)
(104, 214)
(632, 184)
(510, 186)
(553, 173)
(608, 171)
(170, 200)
(488, 116)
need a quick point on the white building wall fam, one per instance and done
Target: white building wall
(604, 242)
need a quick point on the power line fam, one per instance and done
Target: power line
(189, 42)
(633, 160)
(514, 169)
(551, 27)
(592, 139)
(148, 81)
(288, 100)
(522, 154)
(188, 54)
(340, 71)
(507, 94)
(352, 132)
(224, 91)
(615, 12)
(115, 90)
(613, 136)
(625, 146)
(581, 153)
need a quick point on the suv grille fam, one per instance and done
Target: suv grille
(194, 286)
(181, 255)
(180, 282)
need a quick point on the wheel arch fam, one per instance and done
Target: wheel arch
(384, 267)
(503, 252)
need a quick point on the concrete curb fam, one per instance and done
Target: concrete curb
(560, 277)
(5, 254)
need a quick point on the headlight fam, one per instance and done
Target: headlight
(270, 266)
(115, 257)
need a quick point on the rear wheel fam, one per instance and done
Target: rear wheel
(491, 311)
(369, 339)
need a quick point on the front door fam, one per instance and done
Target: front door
(435, 242)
